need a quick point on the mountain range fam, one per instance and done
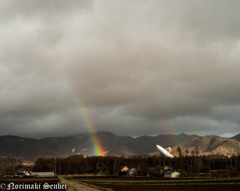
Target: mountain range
(31, 149)
(209, 145)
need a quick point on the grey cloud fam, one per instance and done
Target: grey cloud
(204, 124)
(137, 66)
(42, 9)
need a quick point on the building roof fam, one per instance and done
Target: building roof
(169, 172)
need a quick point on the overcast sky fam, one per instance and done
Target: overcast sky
(137, 67)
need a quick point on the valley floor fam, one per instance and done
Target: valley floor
(154, 184)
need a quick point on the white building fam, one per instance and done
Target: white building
(171, 174)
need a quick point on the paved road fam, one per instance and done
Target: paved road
(78, 186)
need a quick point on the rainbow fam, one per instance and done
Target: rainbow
(91, 130)
(169, 128)
(85, 116)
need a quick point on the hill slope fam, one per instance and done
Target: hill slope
(236, 137)
(31, 149)
(209, 145)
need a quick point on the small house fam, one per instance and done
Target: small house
(171, 174)
(132, 172)
(24, 172)
(123, 171)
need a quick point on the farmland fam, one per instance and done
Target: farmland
(152, 184)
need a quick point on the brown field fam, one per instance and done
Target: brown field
(153, 184)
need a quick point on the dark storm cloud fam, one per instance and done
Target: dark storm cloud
(139, 67)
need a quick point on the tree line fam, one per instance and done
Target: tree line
(111, 165)
(188, 164)
(9, 165)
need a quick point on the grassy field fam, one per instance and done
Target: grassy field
(152, 184)
(4, 182)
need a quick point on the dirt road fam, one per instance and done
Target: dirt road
(78, 186)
